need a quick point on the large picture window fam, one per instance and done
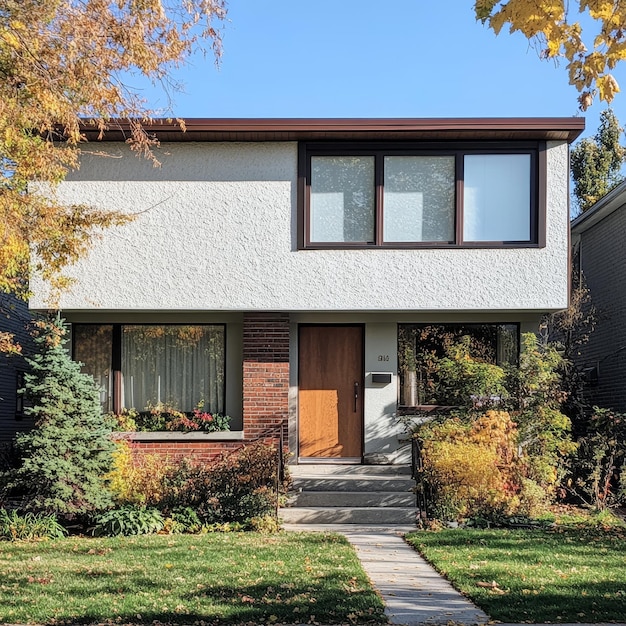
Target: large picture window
(425, 352)
(180, 366)
(478, 195)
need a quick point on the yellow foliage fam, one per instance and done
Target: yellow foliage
(62, 64)
(590, 54)
(471, 465)
(137, 480)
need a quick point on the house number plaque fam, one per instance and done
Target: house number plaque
(383, 357)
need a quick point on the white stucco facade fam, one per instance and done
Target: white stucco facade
(216, 229)
(215, 236)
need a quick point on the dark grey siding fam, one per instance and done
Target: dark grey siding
(14, 318)
(603, 264)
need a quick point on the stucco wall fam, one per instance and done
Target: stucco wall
(216, 230)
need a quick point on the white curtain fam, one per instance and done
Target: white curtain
(180, 366)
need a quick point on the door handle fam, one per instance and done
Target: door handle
(356, 396)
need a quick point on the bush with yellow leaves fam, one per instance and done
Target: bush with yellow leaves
(471, 467)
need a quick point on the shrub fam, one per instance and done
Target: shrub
(14, 526)
(146, 479)
(600, 473)
(236, 488)
(66, 455)
(464, 381)
(264, 524)
(534, 401)
(128, 520)
(469, 465)
(185, 520)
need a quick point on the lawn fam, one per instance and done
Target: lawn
(229, 577)
(565, 575)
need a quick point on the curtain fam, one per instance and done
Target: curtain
(92, 348)
(181, 367)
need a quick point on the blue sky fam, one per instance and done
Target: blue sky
(367, 58)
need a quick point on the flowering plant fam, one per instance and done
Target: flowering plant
(161, 417)
(200, 421)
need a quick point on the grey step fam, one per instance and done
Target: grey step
(350, 499)
(352, 483)
(353, 515)
(323, 469)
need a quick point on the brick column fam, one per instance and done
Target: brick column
(265, 373)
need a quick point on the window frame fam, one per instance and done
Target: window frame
(379, 150)
(406, 409)
(116, 353)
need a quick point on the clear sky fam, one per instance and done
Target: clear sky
(371, 58)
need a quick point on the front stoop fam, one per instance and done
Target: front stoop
(350, 494)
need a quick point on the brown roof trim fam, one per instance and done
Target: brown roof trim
(303, 129)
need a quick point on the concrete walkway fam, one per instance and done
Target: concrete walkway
(413, 592)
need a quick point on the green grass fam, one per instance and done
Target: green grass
(231, 577)
(565, 575)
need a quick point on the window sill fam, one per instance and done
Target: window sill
(223, 435)
(420, 409)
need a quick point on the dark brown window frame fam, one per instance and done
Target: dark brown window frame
(536, 150)
(116, 352)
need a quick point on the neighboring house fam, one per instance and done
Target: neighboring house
(15, 319)
(599, 253)
(285, 271)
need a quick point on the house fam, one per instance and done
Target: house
(14, 319)
(598, 237)
(285, 271)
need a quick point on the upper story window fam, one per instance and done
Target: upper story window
(475, 195)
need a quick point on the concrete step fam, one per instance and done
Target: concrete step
(350, 499)
(324, 469)
(351, 482)
(352, 515)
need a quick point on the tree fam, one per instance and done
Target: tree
(597, 162)
(66, 455)
(591, 53)
(63, 63)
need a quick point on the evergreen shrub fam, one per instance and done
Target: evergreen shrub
(65, 456)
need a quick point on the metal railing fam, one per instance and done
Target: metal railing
(417, 474)
(281, 467)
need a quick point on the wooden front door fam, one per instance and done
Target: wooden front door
(330, 397)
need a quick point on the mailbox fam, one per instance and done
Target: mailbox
(383, 378)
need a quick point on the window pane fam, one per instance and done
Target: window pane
(178, 366)
(496, 197)
(93, 348)
(425, 352)
(419, 198)
(342, 199)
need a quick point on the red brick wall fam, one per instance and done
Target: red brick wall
(201, 452)
(265, 373)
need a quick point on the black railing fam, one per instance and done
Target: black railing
(281, 467)
(417, 474)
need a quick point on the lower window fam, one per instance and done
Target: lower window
(424, 348)
(178, 366)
